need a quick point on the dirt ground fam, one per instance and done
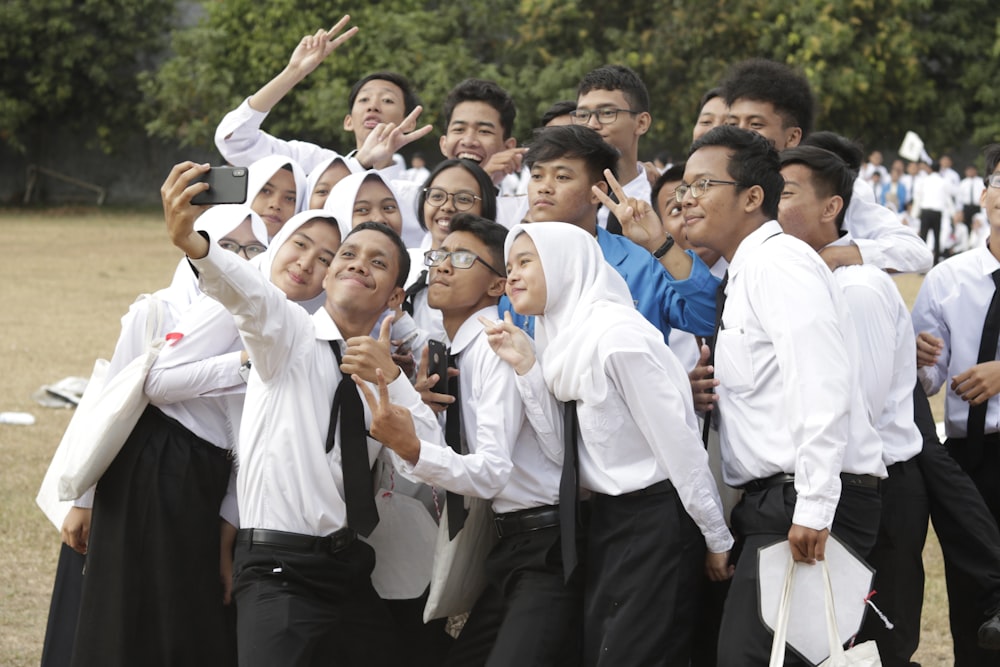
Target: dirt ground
(66, 278)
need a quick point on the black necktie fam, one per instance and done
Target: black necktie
(569, 493)
(454, 502)
(987, 352)
(359, 496)
(720, 304)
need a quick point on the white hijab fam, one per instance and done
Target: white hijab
(589, 311)
(341, 200)
(265, 260)
(216, 222)
(317, 172)
(260, 171)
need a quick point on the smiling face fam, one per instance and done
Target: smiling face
(474, 133)
(362, 278)
(275, 202)
(376, 203)
(718, 218)
(525, 277)
(334, 174)
(438, 218)
(559, 191)
(300, 264)
(458, 293)
(377, 102)
(626, 129)
(762, 118)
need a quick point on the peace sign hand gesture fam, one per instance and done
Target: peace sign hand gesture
(639, 221)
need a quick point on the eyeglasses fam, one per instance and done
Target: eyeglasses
(699, 187)
(460, 259)
(993, 180)
(605, 115)
(251, 250)
(463, 199)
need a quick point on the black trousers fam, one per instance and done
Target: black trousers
(930, 221)
(310, 609)
(899, 566)
(970, 591)
(645, 562)
(762, 518)
(64, 609)
(152, 594)
(527, 615)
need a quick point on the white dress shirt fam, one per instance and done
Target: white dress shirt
(644, 432)
(287, 481)
(506, 460)
(887, 346)
(952, 305)
(787, 363)
(879, 236)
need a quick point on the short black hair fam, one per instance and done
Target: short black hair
(410, 99)
(486, 188)
(560, 108)
(481, 90)
(830, 175)
(753, 160)
(849, 151)
(786, 89)
(992, 155)
(617, 77)
(711, 94)
(674, 173)
(573, 141)
(490, 233)
(402, 253)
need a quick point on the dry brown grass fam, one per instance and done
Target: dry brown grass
(66, 278)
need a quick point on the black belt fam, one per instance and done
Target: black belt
(523, 521)
(664, 486)
(846, 478)
(278, 539)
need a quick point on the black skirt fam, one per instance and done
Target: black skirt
(151, 591)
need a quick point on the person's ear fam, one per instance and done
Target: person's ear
(509, 143)
(643, 121)
(497, 286)
(603, 186)
(793, 136)
(834, 205)
(396, 298)
(442, 144)
(348, 123)
(754, 198)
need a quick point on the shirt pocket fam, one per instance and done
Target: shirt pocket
(733, 361)
(603, 423)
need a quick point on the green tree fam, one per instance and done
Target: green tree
(73, 63)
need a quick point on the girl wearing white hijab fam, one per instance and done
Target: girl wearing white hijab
(236, 227)
(276, 188)
(152, 594)
(654, 503)
(322, 179)
(364, 197)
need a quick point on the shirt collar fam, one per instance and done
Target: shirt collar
(326, 328)
(751, 243)
(987, 262)
(471, 328)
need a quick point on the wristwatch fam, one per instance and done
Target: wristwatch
(245, 371)
(662, 250)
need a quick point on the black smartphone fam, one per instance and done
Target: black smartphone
(437, 362)
(226, 185)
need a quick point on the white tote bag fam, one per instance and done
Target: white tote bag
(106, 415)
(459, 575)
(862, 655)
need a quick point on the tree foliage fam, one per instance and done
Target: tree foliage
(74, 63)
(878, 67)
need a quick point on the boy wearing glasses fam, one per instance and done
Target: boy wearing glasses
(526, 615)
(671, 288)
(613, 101)
(794, 433)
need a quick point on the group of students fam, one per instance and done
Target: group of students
(298, 415)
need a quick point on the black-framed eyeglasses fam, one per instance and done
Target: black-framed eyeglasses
(699, 187)
(251, 250)
(460, 259)
(605, 115)
(463, 199)
(993, 181)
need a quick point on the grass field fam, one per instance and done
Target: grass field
(66, 278)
